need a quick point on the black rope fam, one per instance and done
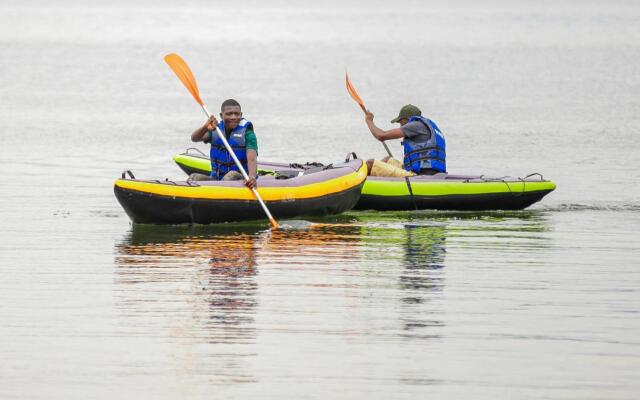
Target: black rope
(503, 180)
(413, 200)
(306, 165)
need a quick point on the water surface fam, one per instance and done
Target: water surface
(541, 303)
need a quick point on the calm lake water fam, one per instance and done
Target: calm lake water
(542, 303)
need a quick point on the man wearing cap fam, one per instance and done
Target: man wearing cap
(423, 143)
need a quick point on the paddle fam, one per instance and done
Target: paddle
(182, 70)
(354, 95)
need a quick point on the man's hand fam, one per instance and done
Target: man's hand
(368, 116)
(211, 123)
(252, 183)
(202, 134)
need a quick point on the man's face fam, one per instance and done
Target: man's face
(231, 115)
(403, 121)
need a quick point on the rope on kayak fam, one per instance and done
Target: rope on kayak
(524, 182)
(166, 180)
(413, 200)
(503, 180)
(306, 165)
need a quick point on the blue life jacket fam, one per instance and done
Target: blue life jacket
(221, 160)
(430, 154)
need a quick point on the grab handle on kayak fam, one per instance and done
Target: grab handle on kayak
(534, 174)
(196, 150)
(349, 155)
(127, 172)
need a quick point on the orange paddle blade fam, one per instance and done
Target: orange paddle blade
(353, 93)
(182, 70)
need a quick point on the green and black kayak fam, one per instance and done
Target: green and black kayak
(453, 192)
(438, 192)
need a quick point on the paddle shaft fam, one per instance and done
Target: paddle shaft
(241, 168)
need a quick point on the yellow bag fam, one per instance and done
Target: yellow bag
(392, 168)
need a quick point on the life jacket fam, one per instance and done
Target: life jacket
(221, 160)
(430, 154)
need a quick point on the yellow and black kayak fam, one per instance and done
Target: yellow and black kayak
(288, 192)
(438, 192)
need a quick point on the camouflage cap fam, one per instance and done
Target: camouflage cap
(406, 112)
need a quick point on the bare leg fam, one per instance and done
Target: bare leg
(233, 176)
(369, 166)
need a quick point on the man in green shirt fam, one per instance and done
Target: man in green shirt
(240, 136)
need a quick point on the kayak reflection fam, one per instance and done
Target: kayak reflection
(415, 251)
(423, 279)
(207, 274)
(210, 272)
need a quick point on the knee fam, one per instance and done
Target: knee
(369, 166)
(199, 177)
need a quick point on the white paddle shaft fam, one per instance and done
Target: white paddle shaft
(239, 165)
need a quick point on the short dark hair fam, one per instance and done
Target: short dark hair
(229, 102)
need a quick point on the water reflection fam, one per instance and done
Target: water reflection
(214, 291)
(424, 252)
(422, 280)
(211, 271)
(412, 249)
(418, 246)
(197, 286)
(219, 265)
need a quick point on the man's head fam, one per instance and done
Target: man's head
(230, 113)
(405, 113)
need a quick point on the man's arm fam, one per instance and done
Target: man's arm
(378, 133)
(200, 134)
(252, 166)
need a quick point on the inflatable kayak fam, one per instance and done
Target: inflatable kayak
(453, 192)
(287, 192)
(439, 192)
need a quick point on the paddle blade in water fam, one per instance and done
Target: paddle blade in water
(182, 70)
(296, 224)
(353, 93)
(274, 223)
